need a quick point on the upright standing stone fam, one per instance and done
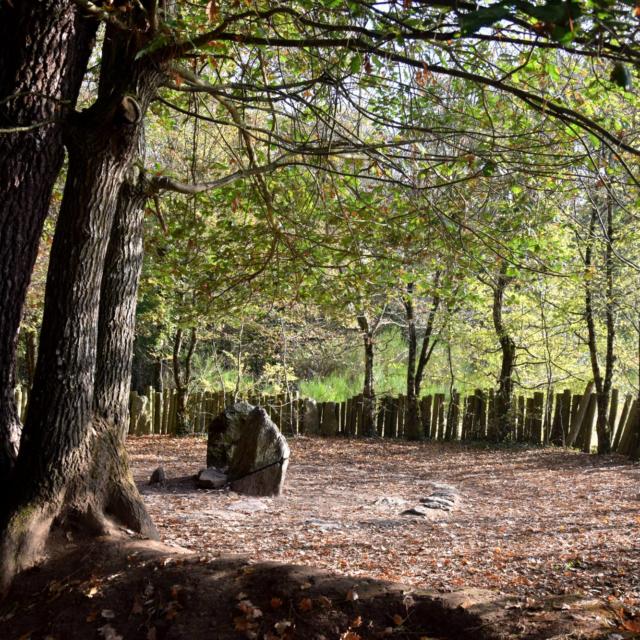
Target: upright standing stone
(245, 444)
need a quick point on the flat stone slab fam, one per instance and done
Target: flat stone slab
(444, 499)
(249, 505)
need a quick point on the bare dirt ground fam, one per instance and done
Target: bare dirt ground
(533, 522)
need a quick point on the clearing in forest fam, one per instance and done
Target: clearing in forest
(532, 523)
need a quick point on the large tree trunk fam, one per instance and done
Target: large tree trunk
(60, 446)
(368, 391)
(504, 414)
(113, 493)
(44, 48)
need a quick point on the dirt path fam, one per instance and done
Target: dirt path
(533, 523)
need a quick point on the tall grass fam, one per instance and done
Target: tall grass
(346, 381)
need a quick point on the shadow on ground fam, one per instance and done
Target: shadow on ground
(132, 589)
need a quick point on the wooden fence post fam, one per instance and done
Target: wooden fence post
(441, 425)
(536, 420)
(628, 401)
(479, 415)
(492, 427)
(578, 418)
(435, 411)
(520, 418)
(425, 415)
(453, 416)
(613, 412)
(157, 412)
(467, 418)
(380, 417)
(585, 433)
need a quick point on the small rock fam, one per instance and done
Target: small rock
(390, 501)
(435, 504)
(158, 476)
(211, 478)
(415, 511)
(323, 525)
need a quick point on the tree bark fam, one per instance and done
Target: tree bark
(416, 364)
(602, 383)
(114, 493)
(504, 414)
(157, 375)
(44, 48)
(368, 391)
(60, 446)
(412, 419)
(428, 341)
(182, 380)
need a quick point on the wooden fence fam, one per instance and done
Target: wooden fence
(568, 419)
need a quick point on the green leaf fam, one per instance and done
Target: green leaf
(621, 76)
(356, 63)
(485, 17)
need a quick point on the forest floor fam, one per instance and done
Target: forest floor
(545, 543)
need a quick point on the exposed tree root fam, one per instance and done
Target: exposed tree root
(100, 499)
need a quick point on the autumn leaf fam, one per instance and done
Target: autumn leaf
(109, 633)
(213, 11)
(350, 635)
(249, 610)
(282, 626)
(305, 604)
(171, 613)
(276, 603)
(631, 625)
(398, 619)
(91, 592)
(137, 607)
